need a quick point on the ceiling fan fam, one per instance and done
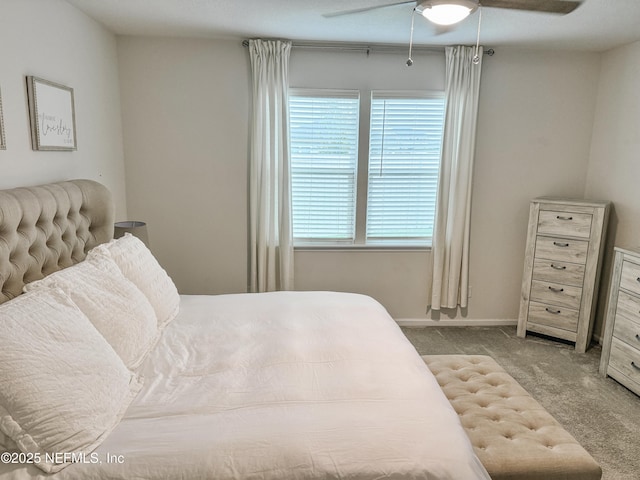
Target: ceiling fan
(449, 12)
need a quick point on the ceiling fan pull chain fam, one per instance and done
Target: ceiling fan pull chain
(476, 57)
(409, 60)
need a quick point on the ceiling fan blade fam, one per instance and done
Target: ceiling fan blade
(364, 9)
(549, 6)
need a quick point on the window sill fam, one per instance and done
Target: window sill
(355, 247)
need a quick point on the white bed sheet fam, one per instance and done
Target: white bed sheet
(278, 386)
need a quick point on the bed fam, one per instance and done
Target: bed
(283, 385)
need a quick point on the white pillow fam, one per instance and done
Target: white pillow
(115, 306)
(6, 444)
(64, 389)
(140, 266)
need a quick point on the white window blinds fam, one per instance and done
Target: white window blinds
(324, 151)
(404, 160)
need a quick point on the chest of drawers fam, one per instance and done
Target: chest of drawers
(563, 256)
(621, 342)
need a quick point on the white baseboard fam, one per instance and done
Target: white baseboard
(456, 322)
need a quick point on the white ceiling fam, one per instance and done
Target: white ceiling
(597, 25)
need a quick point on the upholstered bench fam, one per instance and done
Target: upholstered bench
(514, 437)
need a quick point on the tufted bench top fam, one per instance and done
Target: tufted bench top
(512, 434)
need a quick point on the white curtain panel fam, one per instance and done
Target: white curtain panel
(450, 250)
(271, 244)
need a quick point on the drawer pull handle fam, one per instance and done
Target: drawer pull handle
(633, 364)
(558, 267)
(637, 337)
(558, 244)
(555, 312)
(638, 279)
(560, 217)
(556, 290)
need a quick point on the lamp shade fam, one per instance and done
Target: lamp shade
(135, 228)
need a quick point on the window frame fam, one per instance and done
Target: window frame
(404, 95)
(332, 93)
(359, 241)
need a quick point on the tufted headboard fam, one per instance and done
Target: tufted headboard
(49, 227)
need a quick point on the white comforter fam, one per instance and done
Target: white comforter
(282, 386)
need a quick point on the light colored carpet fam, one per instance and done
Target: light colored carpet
(600, 413)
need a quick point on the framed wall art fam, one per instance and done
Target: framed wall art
(3, 142)
(52, 114)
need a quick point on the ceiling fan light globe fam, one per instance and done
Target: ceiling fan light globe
(446, 12)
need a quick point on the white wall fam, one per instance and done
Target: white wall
(53, 40)
(614, 166)
(534, 131)
(186, 110)
(185, 106)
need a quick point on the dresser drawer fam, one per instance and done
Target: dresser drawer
(630, 279)
(558, 317)
(564, 223)
(625, 360)
(627, 332)
(561, 249)
(558, 272)
(628, 307)
(627, 320)
(556, 294)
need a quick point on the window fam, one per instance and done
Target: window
(398, 171)
(324, 156)
(405, 138)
